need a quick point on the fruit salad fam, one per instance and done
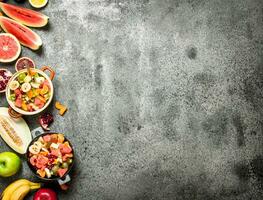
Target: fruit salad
(51, 156)
(30, 91)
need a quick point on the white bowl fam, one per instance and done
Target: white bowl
(11, 103)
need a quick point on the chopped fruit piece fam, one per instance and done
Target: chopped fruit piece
(44, 90)
(54, 139)
(45, 120)
(33, 160)
(48, 172)
(13, 85)
(41, 173)
(61, 138)
(65, 149)
(66, 156)
(30, 108)
(24, 106)
(25, 87)
(55, 152)
(18, 102)
(62, 109)
(47, 138)
(44, 153)
(34, 149)
(38, 102)
(27, 79)
(35, 85)
(61, 172)
(30, 94)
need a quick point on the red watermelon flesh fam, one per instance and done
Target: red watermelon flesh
(24, 16)
(25, 35)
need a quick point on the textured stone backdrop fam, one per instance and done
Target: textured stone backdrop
(164, 96)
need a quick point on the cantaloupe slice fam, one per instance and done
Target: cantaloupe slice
(15, 133)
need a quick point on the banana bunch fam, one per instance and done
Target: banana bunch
(19, 189)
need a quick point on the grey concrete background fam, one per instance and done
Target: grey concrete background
(164, 96)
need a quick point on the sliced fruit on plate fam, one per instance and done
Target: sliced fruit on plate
(24, 35)
(10, 48)
(14, 132)
(24, 63)
(24, 16)
(38, 3)
(5, 75)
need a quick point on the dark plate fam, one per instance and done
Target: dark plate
(34, 170)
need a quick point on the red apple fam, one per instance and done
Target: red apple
(45, 194)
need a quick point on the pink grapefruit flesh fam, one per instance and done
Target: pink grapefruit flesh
(10, 48)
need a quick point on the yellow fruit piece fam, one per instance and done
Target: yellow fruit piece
(44, 90)
(42, 99)
(24, 106)
(62, 109)
(41, 173)
(38, 3)
(61, 138)
(30, 94)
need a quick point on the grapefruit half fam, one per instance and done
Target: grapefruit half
(10, 48)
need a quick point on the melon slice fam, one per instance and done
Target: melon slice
(24, 35)
(15, 133)
(24, 16)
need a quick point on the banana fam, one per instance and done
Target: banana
(13, 85)
(19, 189)
(26, 87)
(20, 192)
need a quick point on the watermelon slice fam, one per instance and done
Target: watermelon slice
(24, 35)
(10, 48)
(62, 172)
(24, 16)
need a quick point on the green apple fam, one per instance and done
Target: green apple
(9, 164)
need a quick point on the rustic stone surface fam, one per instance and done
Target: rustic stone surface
(165, 97)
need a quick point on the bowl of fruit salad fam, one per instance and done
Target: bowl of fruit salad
(50, 157)
(30, 91)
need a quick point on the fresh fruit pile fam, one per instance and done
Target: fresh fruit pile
(5, 75)
(17, 26)
(51, 155)
(29, 91)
